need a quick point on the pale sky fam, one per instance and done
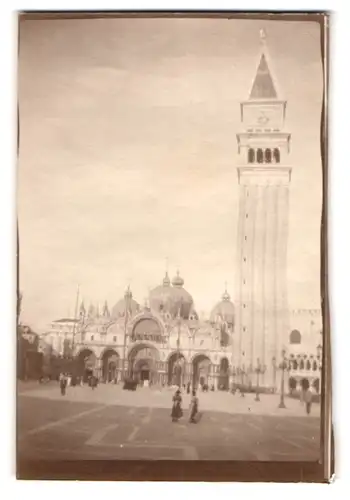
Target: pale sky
(128, 155)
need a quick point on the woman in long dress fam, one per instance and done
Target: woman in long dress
(63, 384)
(176, 411)
(193, 407)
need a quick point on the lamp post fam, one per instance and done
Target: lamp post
(234, 373)
(283, 367)
(241, 372)
(274, 372)
(260, 369)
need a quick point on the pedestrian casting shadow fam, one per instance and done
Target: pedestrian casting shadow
(198, 418)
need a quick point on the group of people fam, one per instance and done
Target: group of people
(65, 380)
(177, 412)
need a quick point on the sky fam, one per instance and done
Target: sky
(128, 156)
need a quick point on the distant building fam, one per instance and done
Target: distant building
(165, 342)
(157, 342)
(29, 358)
(305, 348)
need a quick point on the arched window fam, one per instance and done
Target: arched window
(251, 155)
(308, 365)
(295, 337)
(260, 156)
(302, 364)
(268, 155)
(295, 364)
(314, 366)
(276, 155)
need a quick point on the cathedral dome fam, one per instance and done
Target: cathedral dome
(171, 299)
(177, 280)
(118, 310)
(224, 310)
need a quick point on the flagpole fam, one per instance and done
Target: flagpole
(75, 319)
(125, 330)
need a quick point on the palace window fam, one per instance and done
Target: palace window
(251, 155)
(308, 365)
(114, 339)
(276, 155)
(260, 156)
(295, 337)
(92, 337)
(268, 155)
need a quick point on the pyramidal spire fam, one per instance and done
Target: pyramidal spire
(264, 85)
(105, 311)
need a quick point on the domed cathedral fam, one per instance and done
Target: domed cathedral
(264, 177)
(162, 342)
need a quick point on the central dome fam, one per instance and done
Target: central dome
(224, 310)
(171, 298)
(127, 303)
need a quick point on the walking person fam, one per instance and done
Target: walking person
(308, 400)
(193, 408)
(93, 382)
(63, 384)
(176, 412)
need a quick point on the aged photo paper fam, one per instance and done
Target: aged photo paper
(171, 293)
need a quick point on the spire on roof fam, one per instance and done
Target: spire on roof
(105, 311)
(91, 311)
(82, 310)
(263, 86)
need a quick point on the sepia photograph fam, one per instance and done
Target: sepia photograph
(170, 197)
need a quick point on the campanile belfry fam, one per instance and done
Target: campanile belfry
(264, 177)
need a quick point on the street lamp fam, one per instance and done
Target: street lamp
(283, 367)
(241, 372)
(274, 365)
(260, 369)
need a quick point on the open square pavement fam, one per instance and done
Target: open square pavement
(109, 423)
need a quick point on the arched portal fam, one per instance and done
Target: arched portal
(86, 364)
(316, 385)
(176, 369)
(110, 365)
(223, 381)
(201, 370)
(143, 359)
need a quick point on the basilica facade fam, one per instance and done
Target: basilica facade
(162, 342)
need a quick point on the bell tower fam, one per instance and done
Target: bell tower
(264, 177)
